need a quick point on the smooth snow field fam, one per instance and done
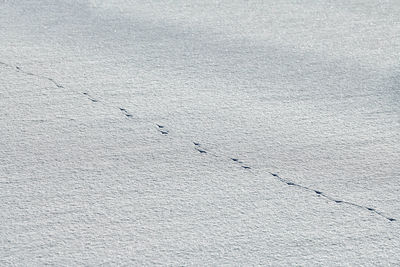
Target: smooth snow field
(206, 133)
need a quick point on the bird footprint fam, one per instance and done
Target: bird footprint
(161, 129)
(199, 149)
(90, 98)
(126, 113)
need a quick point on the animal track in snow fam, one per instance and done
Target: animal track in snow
(126, 113)
(236, 160)
(161, 129)
(319, 193)
(338, 201)
(241, 162)
(19, 69)
(58, 85)
(90, 98)
(201, 150)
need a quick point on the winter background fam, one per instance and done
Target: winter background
(199, 132)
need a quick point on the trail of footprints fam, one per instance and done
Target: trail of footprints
(58, 85)
(199, 148)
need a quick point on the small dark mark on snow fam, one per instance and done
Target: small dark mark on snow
(126, 113)
(160, 126)
(18, 68)
(196, 144)
(290, 183)
(274, 174)
(371, 209)
(391, 219)
(164, 132)
(338, 201)
(237, 160)
(85, 93)
(245, 167)
(318, 192)
(201, 151)
(94, 100)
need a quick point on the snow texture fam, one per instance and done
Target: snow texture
(199, 133)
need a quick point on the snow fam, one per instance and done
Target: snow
(199, 133)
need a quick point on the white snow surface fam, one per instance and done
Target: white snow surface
(199, 132)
